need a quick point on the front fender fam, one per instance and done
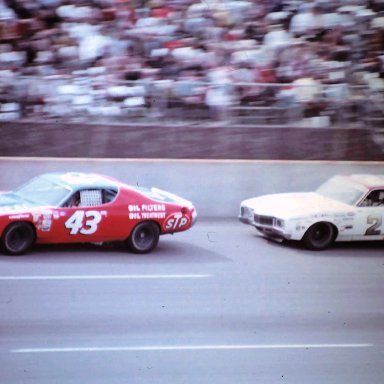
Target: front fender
(299, 227)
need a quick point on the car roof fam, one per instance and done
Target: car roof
(368, 181)
(77, 180)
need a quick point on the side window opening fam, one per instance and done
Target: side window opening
(91, 198)
(73, 201)
(374, 199)
(109, 195)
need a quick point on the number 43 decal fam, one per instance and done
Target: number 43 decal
(76, 222)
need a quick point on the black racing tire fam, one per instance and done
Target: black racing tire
(17, 238)
(144, 237)
(319, 236)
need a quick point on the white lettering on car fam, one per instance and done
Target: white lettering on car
(146, 211)
(133, 208)
(21, 216)
(77, 224)
(152, 207)
(153, 215)
(134, 216)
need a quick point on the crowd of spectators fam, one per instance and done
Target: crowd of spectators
(116, 57)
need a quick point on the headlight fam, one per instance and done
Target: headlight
(245, 211)
(280, 223)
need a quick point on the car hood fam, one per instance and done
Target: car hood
(292, 205)
(11, 203)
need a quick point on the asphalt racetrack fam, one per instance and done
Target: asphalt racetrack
(216, 304)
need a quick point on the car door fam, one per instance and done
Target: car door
(87, 217)
(369, 223)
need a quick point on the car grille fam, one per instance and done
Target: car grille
(264, 220)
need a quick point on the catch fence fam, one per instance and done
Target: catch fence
(98, 98)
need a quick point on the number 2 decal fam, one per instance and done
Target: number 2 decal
(376, 222)
(76, 222)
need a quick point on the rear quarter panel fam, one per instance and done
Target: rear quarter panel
(171, 217)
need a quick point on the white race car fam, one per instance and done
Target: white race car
(344, 208)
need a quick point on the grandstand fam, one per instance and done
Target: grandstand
(240, 62)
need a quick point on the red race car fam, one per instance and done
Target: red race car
(84, 208)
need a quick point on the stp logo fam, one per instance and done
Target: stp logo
(176, 221)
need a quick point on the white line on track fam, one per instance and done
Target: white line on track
(103, 277)
(161, 160)
(189, 348)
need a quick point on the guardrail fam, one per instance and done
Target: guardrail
(86, 98)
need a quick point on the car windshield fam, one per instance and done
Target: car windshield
(43, 192)
(340, 190)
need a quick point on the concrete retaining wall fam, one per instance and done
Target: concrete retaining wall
(185, 141)
(215, 187)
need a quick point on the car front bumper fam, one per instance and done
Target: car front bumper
(245, 220)
(266, 230)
